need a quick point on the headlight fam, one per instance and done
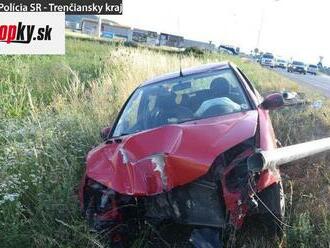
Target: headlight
(101, 195)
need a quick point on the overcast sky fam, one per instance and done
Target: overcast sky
(290, 28)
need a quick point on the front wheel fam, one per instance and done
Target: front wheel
(272, 214)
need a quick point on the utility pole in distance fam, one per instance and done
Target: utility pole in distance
(99, 25)
(262, 22)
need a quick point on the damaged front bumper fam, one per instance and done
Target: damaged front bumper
(220, 197)
(198, 203)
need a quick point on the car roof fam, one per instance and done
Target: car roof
(188, 72)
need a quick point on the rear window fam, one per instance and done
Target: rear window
(268, 56)
(297, 63)
(313, 66)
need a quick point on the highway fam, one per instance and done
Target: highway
(320, 83)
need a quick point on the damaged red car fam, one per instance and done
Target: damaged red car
(177, 152)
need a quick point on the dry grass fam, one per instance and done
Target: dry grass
(52, 108)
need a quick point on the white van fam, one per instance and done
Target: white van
(312, 69)
(268, 59)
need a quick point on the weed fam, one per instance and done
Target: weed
(52, 108)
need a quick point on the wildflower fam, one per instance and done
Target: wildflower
(10, 197)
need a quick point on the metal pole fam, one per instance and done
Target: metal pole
(260, 27)
(99, 25)
(263, 160)
(262, 22)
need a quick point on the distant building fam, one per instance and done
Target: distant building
(109, 29)
(144, 36)
(198, 44)
(72, 25)
(170, 40)
(89, 26)
(74, 21)
(115, 31)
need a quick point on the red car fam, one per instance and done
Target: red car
(177, 152)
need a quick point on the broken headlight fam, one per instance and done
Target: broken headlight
(98, 196)
(238, 177)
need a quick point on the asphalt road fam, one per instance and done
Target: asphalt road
(320, 83)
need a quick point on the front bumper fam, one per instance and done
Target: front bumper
(311, 72)
(197, 203)
(298, 69)
(267, 64)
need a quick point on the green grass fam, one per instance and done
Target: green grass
(51, 111)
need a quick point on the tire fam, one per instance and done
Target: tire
(273, 198)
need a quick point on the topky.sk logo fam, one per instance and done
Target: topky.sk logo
(20, 33)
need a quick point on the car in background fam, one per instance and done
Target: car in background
(229, 49)
(267, 59)
(297, 66)
(312, 69)
(281, 63)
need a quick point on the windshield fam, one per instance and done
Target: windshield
(297, 63)
(313, 66)
(182, 99)
(281, 61)
(268, 56)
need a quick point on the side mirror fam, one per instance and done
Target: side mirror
(105, 133)
(272, 101)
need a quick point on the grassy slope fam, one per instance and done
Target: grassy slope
(51, 111)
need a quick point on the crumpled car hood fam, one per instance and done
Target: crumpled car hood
(157, 160)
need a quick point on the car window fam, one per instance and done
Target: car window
(268, 56)
(297, 63)
(182, 99)
(131, 111)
